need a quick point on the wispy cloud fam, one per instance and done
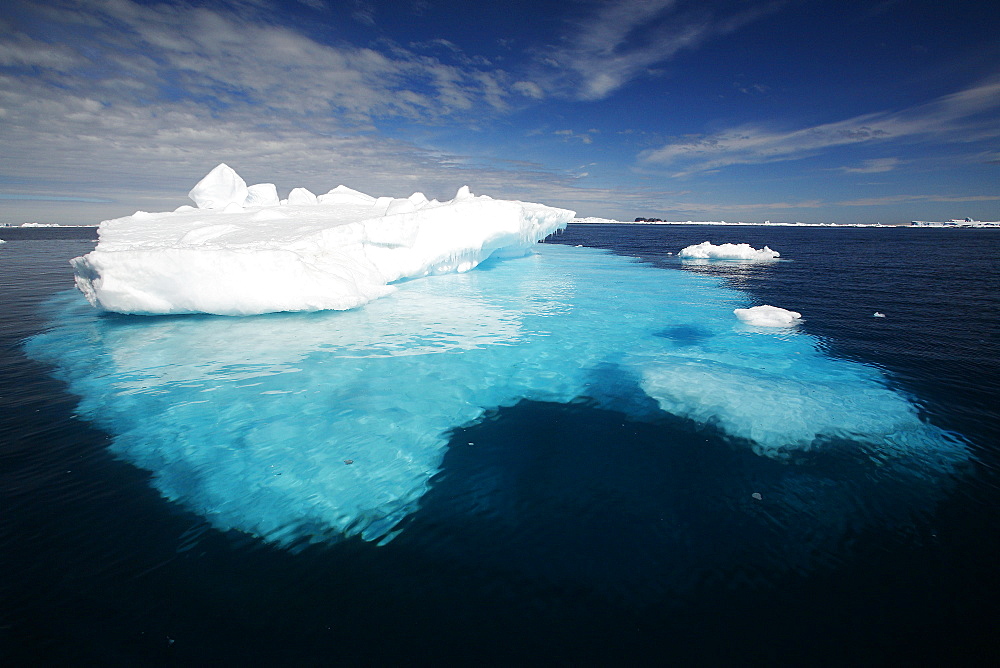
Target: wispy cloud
(916, 199)
(583, 137)
(234, 57)
(55, 198)
(965, 116)
(874, 166)
(625, 39)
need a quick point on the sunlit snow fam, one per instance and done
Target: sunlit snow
(242, 251)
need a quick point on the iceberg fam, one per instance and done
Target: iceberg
(709, 251)
(304, 428)
(243, 252)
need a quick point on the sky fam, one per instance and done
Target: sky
(787, 110)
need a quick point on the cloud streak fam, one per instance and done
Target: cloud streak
(874, 166)
(965, 116)
(623, 40)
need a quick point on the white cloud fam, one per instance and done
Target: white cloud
(914, 199)
(584, 137)
(144, 99)
(22, 51)
(874, 166)
(529, 89)
(148, 157)
(964, 116)
(243, 57)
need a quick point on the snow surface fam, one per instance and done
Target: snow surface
(249, 421)
(768, 316)
(708, 251)
(243, 252)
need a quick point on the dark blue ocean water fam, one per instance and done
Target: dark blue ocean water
(591, 542)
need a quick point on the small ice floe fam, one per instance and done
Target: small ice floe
(709, 251)
(768, 316)
(757, 496)
(878, 315)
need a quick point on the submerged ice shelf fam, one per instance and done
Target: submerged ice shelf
(250, 421)
(244, 252)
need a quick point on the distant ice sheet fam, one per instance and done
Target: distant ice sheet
(708, 251)
(243, 252)
(250, 422)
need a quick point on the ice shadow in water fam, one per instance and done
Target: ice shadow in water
(587, 498)
(685, 335)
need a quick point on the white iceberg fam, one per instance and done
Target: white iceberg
(241, 253)
(708, 251)
(768, 316)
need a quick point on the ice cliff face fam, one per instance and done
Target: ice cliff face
(244, 252)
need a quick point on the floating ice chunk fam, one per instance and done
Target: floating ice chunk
(220, 187)
(878, 315)
(300, 196)
(338, 253)
(708, 251)
(261, 194)
(768, 316)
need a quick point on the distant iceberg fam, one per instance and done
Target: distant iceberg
(243, 251)
(709, 251)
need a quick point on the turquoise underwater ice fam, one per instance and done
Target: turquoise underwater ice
(307, 427)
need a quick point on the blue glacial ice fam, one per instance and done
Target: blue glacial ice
(251, 422)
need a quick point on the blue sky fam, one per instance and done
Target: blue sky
(808, 110)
